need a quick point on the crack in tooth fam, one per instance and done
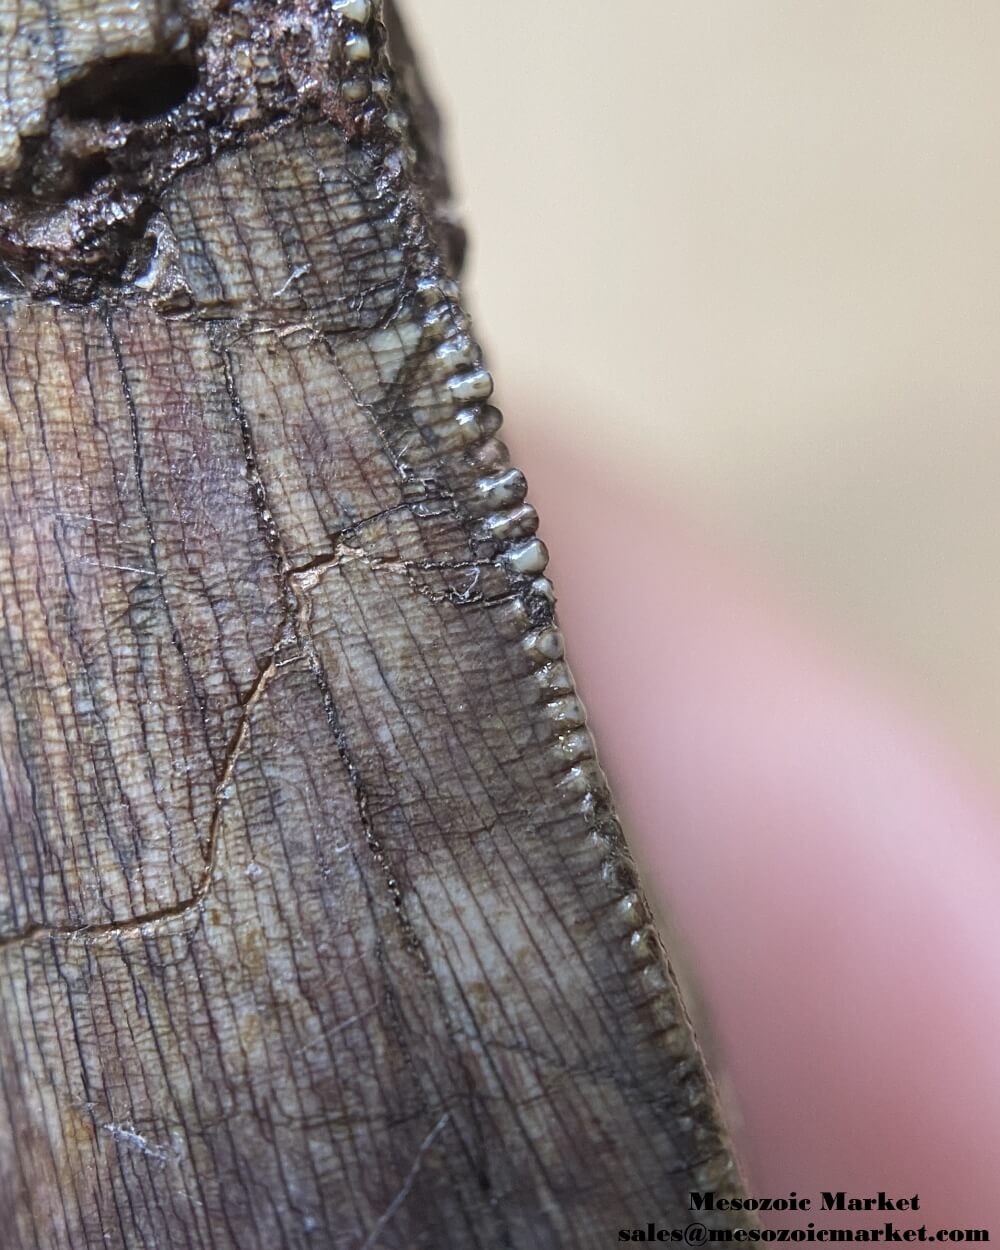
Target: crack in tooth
(308, 576)
(206, 879)
(496, 497)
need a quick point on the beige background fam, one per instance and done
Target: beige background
(749, 252)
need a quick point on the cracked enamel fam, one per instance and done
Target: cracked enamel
(316, 921)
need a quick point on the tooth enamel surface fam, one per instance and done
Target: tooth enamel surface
(582, 779)
(628, 907)
(467, 423)
(576, 746)
(527, 557)
(556, 679)
(475, 385)
(569, 711)
(309, 819)
(354, 10)
(546, 644)
(439, 320)
(502, 491)
(357, 47)
(457, 354)
(542, 586)
(518, 523)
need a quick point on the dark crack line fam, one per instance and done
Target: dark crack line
(297, 623)
(383, 1221)
(173, 911)
(293, 581)
(345, 554)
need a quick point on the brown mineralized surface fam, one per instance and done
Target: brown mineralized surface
(316, 925)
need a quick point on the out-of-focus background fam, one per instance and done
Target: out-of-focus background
(748, 254)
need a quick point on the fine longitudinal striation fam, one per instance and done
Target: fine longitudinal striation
(317, 927)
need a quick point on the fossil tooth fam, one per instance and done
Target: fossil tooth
(317, 927)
